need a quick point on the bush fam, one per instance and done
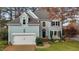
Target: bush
(4, 35)
(39, 41)
(70, 32)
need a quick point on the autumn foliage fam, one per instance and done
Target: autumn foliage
(61, 12)
(71, 30)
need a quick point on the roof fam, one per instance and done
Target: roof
(41, 13)
(16, 21)
(33, 21)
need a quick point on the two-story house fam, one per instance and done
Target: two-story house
(29, 25)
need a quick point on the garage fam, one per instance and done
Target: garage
(23, 39)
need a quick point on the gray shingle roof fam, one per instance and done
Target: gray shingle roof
(17, 21)
(32, 20)
(41, 13)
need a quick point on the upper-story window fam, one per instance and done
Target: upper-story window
(24, 21)
(28, 19)
(52, 23)
(57, 23)
(44, 24)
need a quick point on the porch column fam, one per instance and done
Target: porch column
(58, 33)
(49, 34)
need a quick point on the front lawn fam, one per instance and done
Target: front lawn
(3, 44)
(62, 46)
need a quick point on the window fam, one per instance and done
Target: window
(28, 19)
(44, 24)
(58, 23)
(43, 33)
(52, 23)
(24, 21)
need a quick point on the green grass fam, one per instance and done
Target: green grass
(3, 44)
(62, 46)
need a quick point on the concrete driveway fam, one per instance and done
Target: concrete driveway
(20, 48)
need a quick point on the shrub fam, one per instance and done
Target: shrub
(4, 35)
(39, 41)
(70, 32)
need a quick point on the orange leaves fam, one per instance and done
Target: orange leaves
(60, 12)
(53, 13)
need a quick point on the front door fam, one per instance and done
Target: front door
(43, 33)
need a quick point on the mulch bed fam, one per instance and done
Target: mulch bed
(46, 45)
(20, 48)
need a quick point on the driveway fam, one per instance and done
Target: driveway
(20, 48)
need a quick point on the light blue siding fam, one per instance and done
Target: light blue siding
(20, 29)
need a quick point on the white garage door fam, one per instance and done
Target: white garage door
(24, 39)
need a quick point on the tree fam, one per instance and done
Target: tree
(71, 29)
(62, 12)
(71, 32)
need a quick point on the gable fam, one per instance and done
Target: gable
(26, 16)
(23, 17)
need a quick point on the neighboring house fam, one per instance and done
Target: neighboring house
(74, 22)
(29, 25)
